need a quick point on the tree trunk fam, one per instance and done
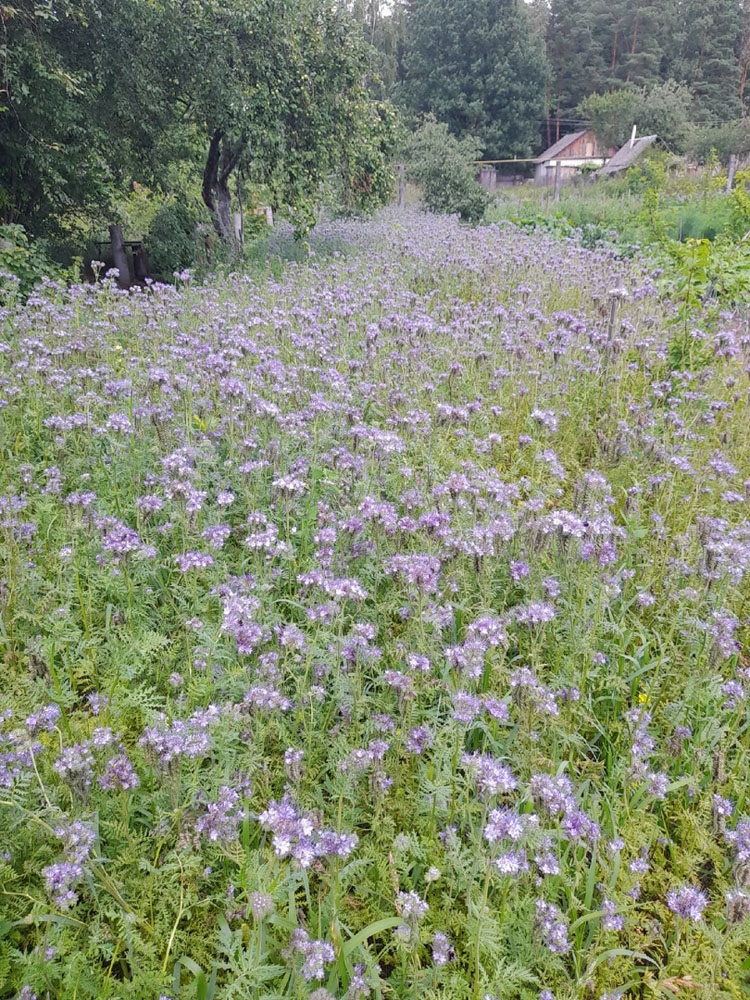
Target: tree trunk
(224, 212)
(613, 60)
(239, 219)
(744, 60)
(119, 256)
(210, 179)
(221, 161)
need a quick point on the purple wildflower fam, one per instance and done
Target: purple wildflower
(316, 954)
(552, 927)
(442, 950)
(688, 902)
(219, 822)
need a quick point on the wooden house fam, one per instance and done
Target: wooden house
(573, 151)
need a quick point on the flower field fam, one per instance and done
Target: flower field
(373, 627)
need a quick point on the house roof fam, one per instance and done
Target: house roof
(628, 154)
(558, 147)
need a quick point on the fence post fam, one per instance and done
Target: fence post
(558, 173)
(731, 170)
(400, 185)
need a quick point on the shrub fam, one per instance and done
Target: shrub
(443, 166)
(171, 241)
(739, 205)
(23, 263)
(663, 109)
(706, 141)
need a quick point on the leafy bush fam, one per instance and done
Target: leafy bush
(738, 204)
(663, 109)
(444, 168)
(23, 263)
(364, 181)
(723, 140)
(171, 241)
(701, 275)
(709, 273)
(651, 172)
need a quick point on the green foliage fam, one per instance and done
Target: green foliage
(709, 39)
(136, 211)
(662, 109)
(444, 168)
(576, 52)
(100, 96)
(52, 144)
(613, 209)
(612, 115)
(687, 226)
(24, 263)
(700, 222)
(650, 172)
(365, 176)
(707, 265)
(688, 204)
(738, 202)
(475, 65)
(665, 110)
(604, 45)
(384, 29)
(723, 140)
(588, 234)
(171, 241)
(279, 92)
(709, 272)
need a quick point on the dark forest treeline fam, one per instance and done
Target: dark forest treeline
(445, 56)
(594, 45)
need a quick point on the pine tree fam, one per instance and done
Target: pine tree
(539, 15)
(476, 65)
(744, 55)
(709, 63)
(577, 57)
(643, 56)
